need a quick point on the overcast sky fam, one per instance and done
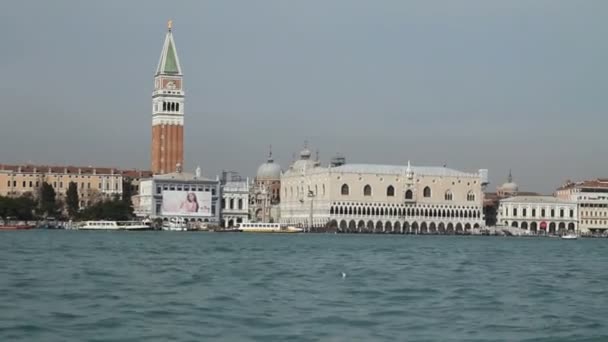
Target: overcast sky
(471, 84)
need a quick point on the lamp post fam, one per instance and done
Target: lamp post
(311, 195)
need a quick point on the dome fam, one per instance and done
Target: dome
(305, 153)
(509, 186)
(269, 171)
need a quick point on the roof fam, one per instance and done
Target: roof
(601, 183)
(31, 168)
(399, 169)
(183, 177)
(534, 199)
(169, 62)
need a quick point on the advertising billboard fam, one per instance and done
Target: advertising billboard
(186, 203)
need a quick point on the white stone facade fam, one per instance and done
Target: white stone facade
(235, 203)
(381, 198)
(536, 214)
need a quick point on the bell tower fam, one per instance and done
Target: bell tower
(168, 110)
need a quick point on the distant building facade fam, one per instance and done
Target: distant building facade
(168, 110)
(183, 195)
(265, 194)
(93, 183)
(591, 197)
(235, 201)
(492, 199)
(537, 214)
(381, 198)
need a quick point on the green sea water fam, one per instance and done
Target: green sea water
(172, 286)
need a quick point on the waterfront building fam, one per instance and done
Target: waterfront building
(492, 199)
(266, 192)
(168, 110)
(93, 183)
(381, 198)
(536, 214)
(183, 195)
(591, 197)
(235, 200)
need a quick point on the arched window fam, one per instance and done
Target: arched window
(240, 204)
(426, 192)
(448, 195)
(471, 196)
(177, 107)
(164, 106)
(390, 191)
(173, 106)
(345, 191)
(409, 195)
(367, 190)
(231, 203)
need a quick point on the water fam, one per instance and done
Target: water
(163, 286)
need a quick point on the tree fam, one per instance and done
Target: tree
(72, 200)
(47, 201)
(20, 208)
(114, 209)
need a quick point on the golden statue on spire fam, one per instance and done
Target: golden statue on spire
(170, 24)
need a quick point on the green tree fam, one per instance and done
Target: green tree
(20, 208)
(114, 209)
(72, 200)
(47, 200)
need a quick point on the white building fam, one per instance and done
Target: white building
(191, 197)
(381, 198)
(235, 202)
(266, 192)
(591, 196)
(536, 214)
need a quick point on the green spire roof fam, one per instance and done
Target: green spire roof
(169, 62)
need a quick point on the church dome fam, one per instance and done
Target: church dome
(269, 170)
(305, 153)
(509, 186)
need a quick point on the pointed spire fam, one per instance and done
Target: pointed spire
(169, 62)
(510, 178)
(270, 160)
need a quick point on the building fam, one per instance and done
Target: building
(591, 197)
(235, 200)
(266, 192)
(188, 196)
(93, 183)
(491, 200)
(381, 198)
(535, 214)
(168, 110)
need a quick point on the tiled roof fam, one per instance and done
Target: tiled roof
(85, 170)
(594, 183)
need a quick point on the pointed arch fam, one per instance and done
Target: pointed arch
(409, 195)
(345, 191)
(390, 191)
(426, 192)
(367, 190)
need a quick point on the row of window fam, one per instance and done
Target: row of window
(390, 192)
(524, 212)
(603, 222)
(159, 189)
(594, 205)
(594, 213)
(37, 184)
(231, 204)
(375, 211)
(170, 106)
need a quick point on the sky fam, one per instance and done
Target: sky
(471, 84)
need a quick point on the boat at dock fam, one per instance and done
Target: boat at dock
(16, 227)
(112, 225)
(175, 225)
(570, 236)
(267, 228)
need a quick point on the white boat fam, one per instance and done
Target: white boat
(261, 227)
(112, 225)
(175, 224)
(570, 236)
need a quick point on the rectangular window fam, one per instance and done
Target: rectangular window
(9, 184)
(88, 185)
(213, 210)
(552, 212)
(100, 186)
(514, 211)
(213, 192)
(14, 184)
(524, 212)
(31, 184)
(158, 190)
(571, 213)
(61, 185)
(24, 184)
(533, 212)
(561, 213)
(37, 183)
(157, 208)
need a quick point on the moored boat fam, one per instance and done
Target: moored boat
(570, 236)
(112, 225)
(16, 226)
(267, 228)
(175, 224)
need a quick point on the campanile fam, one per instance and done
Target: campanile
(168, 110)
